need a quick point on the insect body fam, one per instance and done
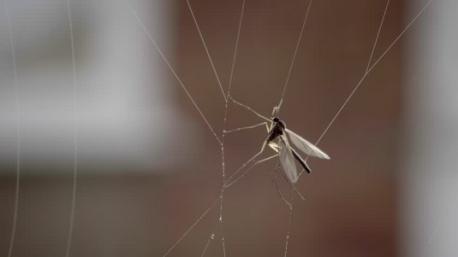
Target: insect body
(279, 140)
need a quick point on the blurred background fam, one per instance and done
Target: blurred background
(149, 167)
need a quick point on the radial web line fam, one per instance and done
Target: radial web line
(18, 129)
(172, 70)
(236, 47)
(293, 59)
(363, 78)
(374, 46)
(206, 49)
(190, 228)
(75, 134)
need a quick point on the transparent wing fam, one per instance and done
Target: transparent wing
(301, 161)
(287, 160)
(305, 146)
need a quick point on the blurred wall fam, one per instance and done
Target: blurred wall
(430, 180)
(123, 111)
(128, 126)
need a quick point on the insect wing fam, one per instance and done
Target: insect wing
(301, 161)
(287, 160)
(305, 146)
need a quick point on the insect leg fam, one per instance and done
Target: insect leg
(249, 109)
(268, 127)
(247, 162)
(232, 180)
(292, 186)
(274, 181)
(227, 131)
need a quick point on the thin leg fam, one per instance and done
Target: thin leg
(276, 109)
(244, 128)
(292, 186)
(245, 164)
(231, 183)
(249, 109)
(267, 158)
(298, 193)
(235, 180)
(274, 181)
(268, 127)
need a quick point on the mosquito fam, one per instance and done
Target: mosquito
(281, 140)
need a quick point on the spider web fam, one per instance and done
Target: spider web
(370, 66)
(220, 138)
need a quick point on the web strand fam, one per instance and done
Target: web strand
(207, 244)
(228, 97)
(366, 73)
(374, 46)
(236, 47)
(226, 111)
(75, 134)
(172, 70)
(293, 59)
(10, 32)
(363, 78)
(190, 228)
(290, 222)
(222, 149)
(210, 59)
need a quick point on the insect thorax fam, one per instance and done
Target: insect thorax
(277, 129)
